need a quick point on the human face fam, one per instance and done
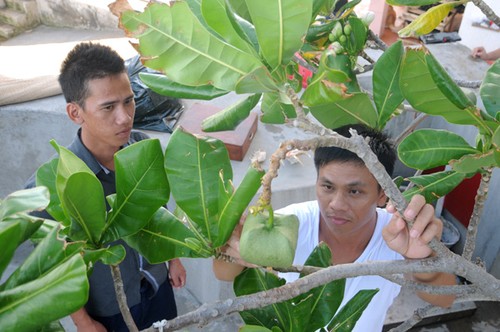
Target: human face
(348, 195)
(107, 115)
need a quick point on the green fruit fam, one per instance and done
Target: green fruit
(331, 37)
(347, 30)
(342, 39)
(269, 240)
(337, 30)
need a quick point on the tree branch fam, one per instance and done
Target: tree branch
(122, 298)
(490, 14)
(482, 193)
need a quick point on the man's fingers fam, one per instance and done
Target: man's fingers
(423, 220)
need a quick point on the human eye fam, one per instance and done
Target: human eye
(327, 187)
(107, 108)
(354, 192)
(129, 100)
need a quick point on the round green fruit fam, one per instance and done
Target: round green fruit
(268, 240)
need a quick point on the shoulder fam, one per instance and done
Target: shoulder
(303, 209)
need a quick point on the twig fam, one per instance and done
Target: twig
(482, 193)
(411, 127)
(490, 14)
(468, 84)
(379, 42)
(122, 298)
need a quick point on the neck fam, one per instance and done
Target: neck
(345, 247)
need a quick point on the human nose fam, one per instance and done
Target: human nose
(124, 115)
(337, 202)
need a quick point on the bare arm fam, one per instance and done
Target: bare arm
(85, 323)
(480, 52)
(177, 273)
(413, 244)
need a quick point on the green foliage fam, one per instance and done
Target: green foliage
(307, 312)
(54, 269)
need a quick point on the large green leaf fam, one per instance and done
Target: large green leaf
(112, 255)
(193, 165)
(275, 110)
(230, 117)
(347, 317)
(428, 148)
(10, 236)
(242, 26)
(60, 292)
(386, 91)
(47, 255)
(237, 203)
(46, 176)
(474, 163)
(173, 41)
(280, 27)
(215, 14)
(446, 84)
(490, 90)
(427, 21)
(327, 298)
(162, 85)
(141, 188)
(162, 239)
(357, 37)
(355, 109)
(83, 200)
(257, 81)
(422, 93)
(278, 314)
(435, 185)
(240, 8)
(67, 165)
(26, 200)
(327, 84)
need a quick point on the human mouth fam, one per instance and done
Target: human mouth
(124, 133)
(337, 220)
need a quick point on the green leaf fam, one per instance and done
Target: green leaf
(254, 280)
(280, 27)
(83, 200)
(113, 255)
(322, 6)
(51, 252)
(257, 81)
(242, 26)
(141, 188)
(358, 36)
(240, 8)
(10, 237)
(411, 2)
(427, 21)
(422, 93)
(473, 163)
(435, 185)
(193, 164)
(26, 200)
(387, 94)
(428, 148)
(39, 302)
(327, 298)
(215, 14)
(162, 85)
(46, 176)
(162, 239)
(237, 203)
(327, 84)
(355, 109)
(230, 117)
(275, 110)
(490, 88)
(347, 317)
(446, 84)
(173, 41)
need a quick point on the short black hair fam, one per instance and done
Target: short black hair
(85, 62)
(379, 143)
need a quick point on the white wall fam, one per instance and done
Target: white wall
(475, 36)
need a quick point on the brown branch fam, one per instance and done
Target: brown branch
(410, 128)
(122, 298)
(468, 84)
(490, 14)
(485, 282)
(482, 194)
(379, 42)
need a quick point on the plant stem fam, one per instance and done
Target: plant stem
(482, 194)
(122, 298)
(490, 14)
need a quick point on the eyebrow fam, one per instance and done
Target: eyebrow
(350, 185)
(112, 102)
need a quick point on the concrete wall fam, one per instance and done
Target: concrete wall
(475, 36)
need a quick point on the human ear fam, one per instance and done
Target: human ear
(382, 198)
(74, 113)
